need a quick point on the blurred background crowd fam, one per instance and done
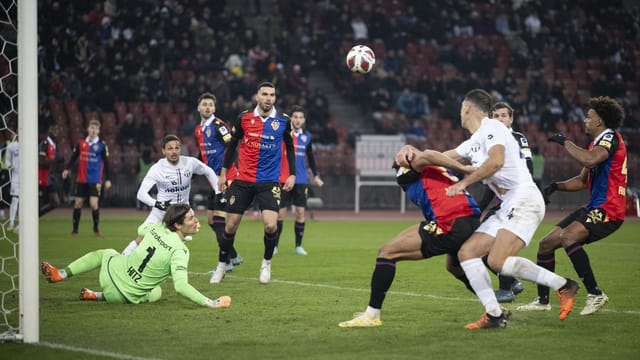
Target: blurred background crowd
(139, 67)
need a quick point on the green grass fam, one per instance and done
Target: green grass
(296, 315)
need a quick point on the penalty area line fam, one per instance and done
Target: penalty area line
(92, 351)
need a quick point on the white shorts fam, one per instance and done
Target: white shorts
(521, 211)
(155, 216)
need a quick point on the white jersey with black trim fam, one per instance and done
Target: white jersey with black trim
(492, 132)
(174, 181)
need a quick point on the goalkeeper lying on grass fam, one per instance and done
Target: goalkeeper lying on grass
(136, 277)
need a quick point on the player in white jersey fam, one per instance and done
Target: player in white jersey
(12, 161)
(171, 176)
(496, 153)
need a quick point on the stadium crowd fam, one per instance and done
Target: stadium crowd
(139, 66)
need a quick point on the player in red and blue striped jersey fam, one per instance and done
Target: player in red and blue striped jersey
(449, 222)
(258, 135)
(48, 198)
(298, 195)
(604, 174)
(92, 155)
(212, 136)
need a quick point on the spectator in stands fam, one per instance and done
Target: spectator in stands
(128, 134)
(360, 30)
(145, 133)
(416, 131)
(407, 103)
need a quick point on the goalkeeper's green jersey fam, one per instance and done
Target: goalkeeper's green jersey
(160, 254)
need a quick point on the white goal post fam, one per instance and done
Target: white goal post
(20, 299)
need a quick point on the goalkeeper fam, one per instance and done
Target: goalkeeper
(136, 278)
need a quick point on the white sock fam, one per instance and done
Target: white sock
(13, 210)
(372, 312)
(481, 283)
(129, 249)
(526, 269)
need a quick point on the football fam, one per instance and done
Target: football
(361, 59)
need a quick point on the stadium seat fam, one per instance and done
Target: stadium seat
(165, 108)
(137, 109)
(150, 108)
(90, 115)
(121, 110)
(181, 108)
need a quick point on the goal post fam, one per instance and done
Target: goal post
(28, 141)
(19, 254)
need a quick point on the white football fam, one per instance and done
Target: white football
(361, 59)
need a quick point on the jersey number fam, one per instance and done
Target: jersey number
(150, 252)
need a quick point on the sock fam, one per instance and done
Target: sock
(99, 296)
(485, 261)
(372, 312)
(96, 220)
(381, 281)
(466, 283)
(481, 283)
(548, 262)
(218, 229)
(279, 231)
(505, 282)
(298, 229)
(225, 246)
(88, 262)
(13, 210)
(269, 244)
(523, 268)
(76, 218)
(64, 273)
(129, 249)
(581, 264)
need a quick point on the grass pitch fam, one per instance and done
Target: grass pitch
(296, 315)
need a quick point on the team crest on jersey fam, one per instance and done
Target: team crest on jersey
(95, 147)
(275, 125)
(208, 132)
(595, 216)
(490, 136)
(475, 148)
(304, 138)
(187, 173)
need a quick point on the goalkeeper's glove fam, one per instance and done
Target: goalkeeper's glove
(558, 138)
(547, 191)
(162, 205)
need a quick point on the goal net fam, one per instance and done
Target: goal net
(19, 294)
